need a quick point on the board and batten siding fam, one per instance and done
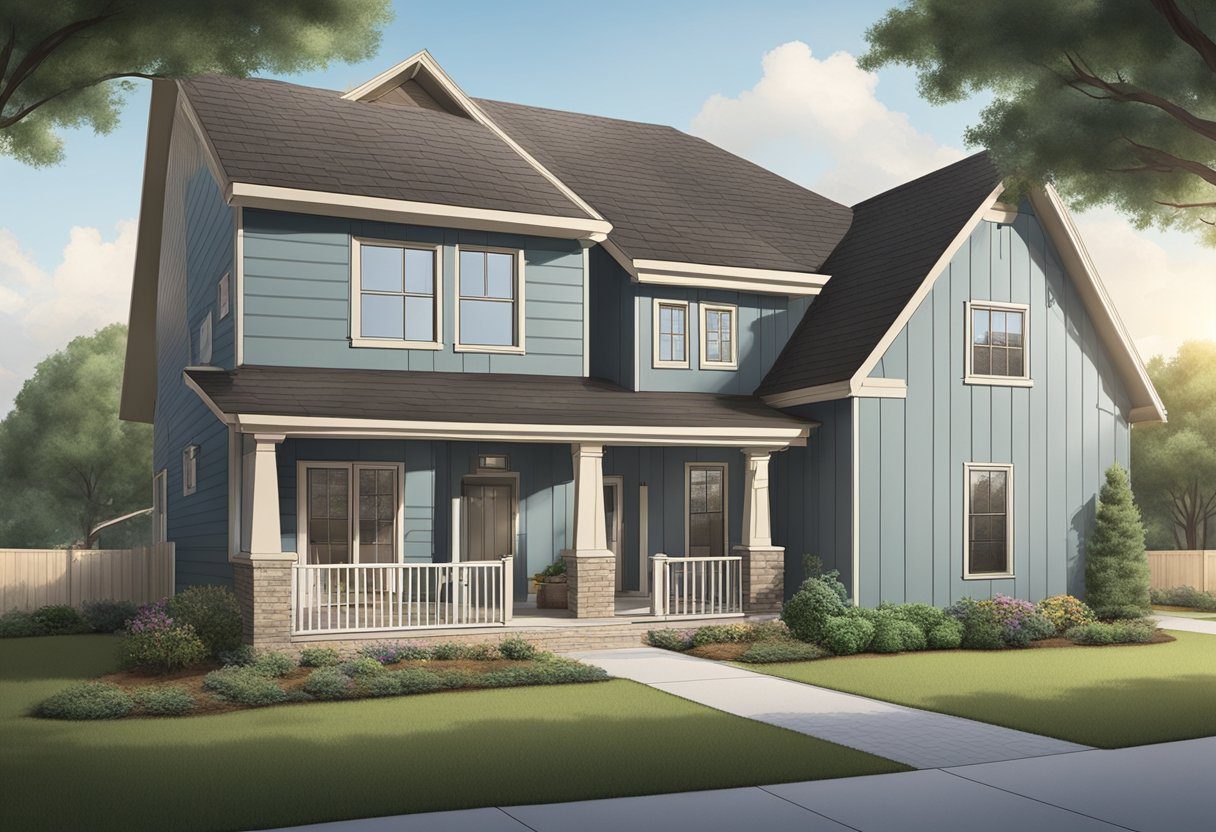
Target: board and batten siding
(1060, 434)
(297, 297)
(196, 251)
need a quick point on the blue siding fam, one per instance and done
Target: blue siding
(1060, 434)
(297, 296)
(613, 321)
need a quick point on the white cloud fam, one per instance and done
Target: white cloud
(40, 311)
(806, 114)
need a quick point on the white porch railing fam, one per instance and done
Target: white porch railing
(696, 586)
(358, 597)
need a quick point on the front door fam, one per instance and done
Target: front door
(706, 504)
(612, 521)
(489, 510)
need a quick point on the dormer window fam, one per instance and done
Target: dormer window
(998, 344)
(394, 295)
(671, 333)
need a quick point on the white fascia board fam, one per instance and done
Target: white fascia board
(868, 388)
(770, 281)
(248, 195)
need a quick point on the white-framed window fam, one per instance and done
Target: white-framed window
(221, 295)
(202, 344)
(988, 517)
(160, 501)
(719, 336)
(705, 508)
(489, 300)
(670, 333)
(190, 455)
(998, 343)
(350, 512)
(395, 298)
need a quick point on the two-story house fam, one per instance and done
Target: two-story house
(404, 348)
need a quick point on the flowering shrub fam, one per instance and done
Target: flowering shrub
(1012, 615)
(362, 666)
(383, 653)
(669, 639)
(1065, 612)
(154, 642)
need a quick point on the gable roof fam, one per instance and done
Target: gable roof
(674, 197)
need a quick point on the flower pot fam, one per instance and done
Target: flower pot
(551, 595)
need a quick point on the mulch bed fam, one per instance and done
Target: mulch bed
(721, 652)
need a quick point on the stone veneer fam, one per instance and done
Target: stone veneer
(263, 590)
(591, 584)
(763, 578)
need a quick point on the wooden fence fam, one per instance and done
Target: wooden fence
(1183, 568)
(31, 578)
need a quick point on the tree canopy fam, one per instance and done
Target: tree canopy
(1174, 464)
(66, 461)
(69, 63)
(1112, 101)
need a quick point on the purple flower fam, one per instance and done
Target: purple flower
(151, 618)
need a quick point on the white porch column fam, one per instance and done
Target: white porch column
(261, 483)
(590, 564)
(763, 563)
(263, 571)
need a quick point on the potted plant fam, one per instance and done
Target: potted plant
(551, 586)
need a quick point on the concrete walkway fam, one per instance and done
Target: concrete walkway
(1152, 788)
(917, 738)
(1191, 625)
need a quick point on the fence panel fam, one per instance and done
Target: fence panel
(31, 578)
(1192, 568)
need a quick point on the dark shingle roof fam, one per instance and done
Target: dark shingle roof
(895, 239)
(672, 196)
(273, 133)
(473, 397)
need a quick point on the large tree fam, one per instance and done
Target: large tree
(1114, 101)
(69, 63)
(66, 461)
(1174, 464)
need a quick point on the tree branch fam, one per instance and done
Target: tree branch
(9, 121)
(1188, 31)
(44, 49)
(7, 53)
(1160, 161)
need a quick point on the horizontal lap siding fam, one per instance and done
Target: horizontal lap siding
(297, 297)
(1060, 435)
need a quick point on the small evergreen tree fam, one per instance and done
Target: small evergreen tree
(1116, 566)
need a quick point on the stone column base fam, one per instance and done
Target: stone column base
(763, 577)
(263, 590)
(591, 583)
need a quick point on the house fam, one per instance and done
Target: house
(403, 349)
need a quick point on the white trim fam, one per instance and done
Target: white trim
(352, 512)
(209, 152)
(517, 348)
(689, 467)
(190, 454)
(190, 383)
(705, 307)
(223, 296)
(586, 312)
(238, 299)
(643, 538)
(160, 500)
(968, 467)
(356, 338)
(1001, 212)
(412, 213)
(656, 362)
(617, 482)
(866, 388)
(1024, 380)
(774, 281)
(855, 578)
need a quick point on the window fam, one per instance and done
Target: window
(997, 344)
(489, 311)
(394, 300)
(718, 339)
(202, 347)
(190, 455)
(988, 542)
(350, 512)
(492, 462)
(705, 520)
(160, 495)
(221, 296)
(670, 333)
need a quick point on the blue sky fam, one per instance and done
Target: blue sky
(698, 66)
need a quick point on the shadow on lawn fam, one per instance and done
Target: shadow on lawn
(58, 657)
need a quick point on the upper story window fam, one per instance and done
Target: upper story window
(719, 349)
(221, 295)
(394, 295)
(670, 333)
(997, 344)
(202, 344)
(189, 470)
(489, 306)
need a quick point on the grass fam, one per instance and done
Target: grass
(317, 762)
(1110, 697)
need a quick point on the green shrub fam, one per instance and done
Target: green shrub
(327, 682)
(362, 666)
(516, 649)
(1038, 627)
(551, 671)
(18, 624)
(244, 685)
(162, 649)
(925, 616)
(983, 633)
(669, 639)
(60, 620)
(1113, 632)
(455, 679)
(722, 634)
(214, 614)
(87, 700)
(1065, 612)
(319, 657)
(1122, 613)
(1185, 596)
(397, 683)
(817, 600)
(108, 616)
(845, 635)
(413, 652)
(164, 700)
(771, 631)
(945, 636)
(481, 652)
(447, 651)
(894, 635)
(274, 664)
(242, 656)
(1116, 565)
(767, 652)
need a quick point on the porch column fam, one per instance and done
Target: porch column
(763, 563)
(262, 571)
(590, 564)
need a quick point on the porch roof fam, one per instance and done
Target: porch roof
(310, 401)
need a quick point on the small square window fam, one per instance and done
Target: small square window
(221, 296)
(190, 455)
(997, 344)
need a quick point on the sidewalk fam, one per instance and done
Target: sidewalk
(917, 738)
(1191, 625)
(1151, 788)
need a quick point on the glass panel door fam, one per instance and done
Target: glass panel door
(329, 515)
(706, 511)
(377, 514)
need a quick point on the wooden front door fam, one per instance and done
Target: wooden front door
(489, 510)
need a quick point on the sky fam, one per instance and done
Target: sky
(775, 82)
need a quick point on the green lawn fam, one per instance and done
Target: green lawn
(329, 761)
(1103, 696)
